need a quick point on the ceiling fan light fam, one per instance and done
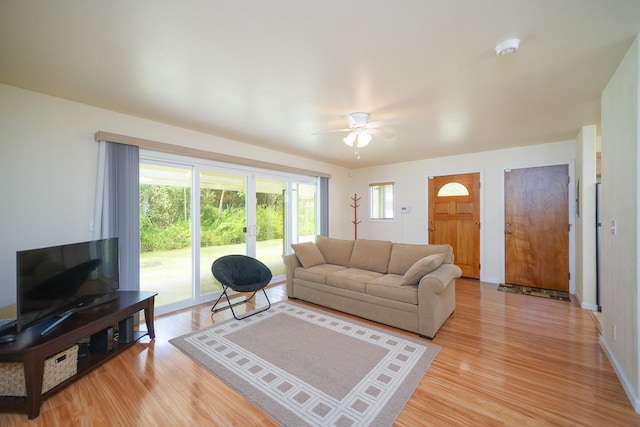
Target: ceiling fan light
(349, 139)
(364, 138)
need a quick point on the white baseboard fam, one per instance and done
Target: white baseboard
(585, 305)
(626, 384)
(592, 307)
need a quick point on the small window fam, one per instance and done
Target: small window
(453, 189)
(381, 197)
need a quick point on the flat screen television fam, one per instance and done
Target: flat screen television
(59, 280)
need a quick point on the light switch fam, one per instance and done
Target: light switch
(614, 227)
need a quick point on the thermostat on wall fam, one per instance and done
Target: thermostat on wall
(405, 209)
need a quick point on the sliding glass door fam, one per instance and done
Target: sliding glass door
(269, 230)
(305, 212)
(223, 218)
(193, 212)
(165, 232)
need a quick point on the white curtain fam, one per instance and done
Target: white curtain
(117, 206)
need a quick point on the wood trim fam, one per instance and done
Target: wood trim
(202, 154)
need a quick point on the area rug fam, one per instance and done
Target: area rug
(308, 368)
(536, 292)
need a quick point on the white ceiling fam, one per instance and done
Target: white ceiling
(272, 73)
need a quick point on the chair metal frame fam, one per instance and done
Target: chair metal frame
(230, 305)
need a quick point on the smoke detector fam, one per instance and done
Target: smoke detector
(507, 47)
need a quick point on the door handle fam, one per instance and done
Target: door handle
(251, 230)
(432, 229)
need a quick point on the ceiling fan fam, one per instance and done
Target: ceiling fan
(360, 129)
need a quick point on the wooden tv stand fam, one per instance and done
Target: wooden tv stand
(32, 349)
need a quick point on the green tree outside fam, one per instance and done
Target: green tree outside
(165, 212)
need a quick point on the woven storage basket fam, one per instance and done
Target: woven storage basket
(57, 368)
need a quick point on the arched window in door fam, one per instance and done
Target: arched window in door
(453, 189)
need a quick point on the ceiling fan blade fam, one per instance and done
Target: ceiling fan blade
(332, 130)
(350, 120)
(385, 122)
(380, 132)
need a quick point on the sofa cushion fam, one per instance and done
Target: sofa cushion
(420, 268)
(404, 255)
(371, 255)
(389, 287)
(352, 278)
(335, 251)
(308, 254)
(317, 273)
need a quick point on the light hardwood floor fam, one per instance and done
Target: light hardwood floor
(506, 359)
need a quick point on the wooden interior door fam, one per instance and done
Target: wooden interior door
(455, 219)
(536, 239)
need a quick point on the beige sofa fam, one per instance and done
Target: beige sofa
(411, 287)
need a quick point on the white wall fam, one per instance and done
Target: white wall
(411, 189)
(586, 221)
(620, 191)
(48, 161)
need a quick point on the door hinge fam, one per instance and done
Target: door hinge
(568, 180)
(569, 225)
(569, 276)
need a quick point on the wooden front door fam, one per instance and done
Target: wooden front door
(454, 218)
(536, 213)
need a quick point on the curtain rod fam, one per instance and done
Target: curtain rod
(202, 154)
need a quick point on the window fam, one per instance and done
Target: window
(381, 198)
(453, 189)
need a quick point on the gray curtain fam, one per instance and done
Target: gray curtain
(117, 207)
(324, 206)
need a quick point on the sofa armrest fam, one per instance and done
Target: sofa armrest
(438, 279)
(291, 262)
(436, 298)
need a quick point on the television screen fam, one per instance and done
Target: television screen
(54, 280)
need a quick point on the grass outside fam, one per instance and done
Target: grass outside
(169, 272)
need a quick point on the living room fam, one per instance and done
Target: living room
(49, 158)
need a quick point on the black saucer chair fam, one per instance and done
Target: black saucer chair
(241, 273)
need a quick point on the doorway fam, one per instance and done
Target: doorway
(537, 227)
(454, 218)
